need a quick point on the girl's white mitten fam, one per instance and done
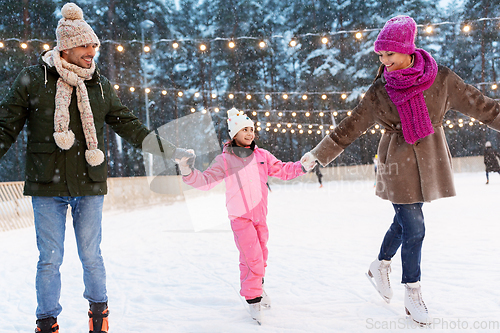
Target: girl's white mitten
(308, 161)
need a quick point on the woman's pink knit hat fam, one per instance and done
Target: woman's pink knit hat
(397, 35)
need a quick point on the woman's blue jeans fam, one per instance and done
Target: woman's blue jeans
(50, 227)
(408, 231)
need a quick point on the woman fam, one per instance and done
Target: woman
(409, 98)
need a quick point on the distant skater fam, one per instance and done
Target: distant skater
(491, 160)
(318, 174)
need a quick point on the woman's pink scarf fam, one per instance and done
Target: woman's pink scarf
(405, 88)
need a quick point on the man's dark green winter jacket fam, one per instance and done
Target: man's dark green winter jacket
(51, 171)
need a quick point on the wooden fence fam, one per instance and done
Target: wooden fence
(129, 193)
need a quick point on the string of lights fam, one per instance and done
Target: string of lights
(466, 27)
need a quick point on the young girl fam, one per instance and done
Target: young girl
(245, 169)
(409, 98)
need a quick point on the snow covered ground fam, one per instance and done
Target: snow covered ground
(164, 277)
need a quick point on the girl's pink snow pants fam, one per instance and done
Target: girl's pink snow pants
(251, 239)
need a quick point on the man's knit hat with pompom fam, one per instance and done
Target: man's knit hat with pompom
(72, 31)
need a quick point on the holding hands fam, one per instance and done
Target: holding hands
(185, 158)
(308, 161)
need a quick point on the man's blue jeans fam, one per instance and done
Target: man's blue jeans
(407, 231)
(50, 227)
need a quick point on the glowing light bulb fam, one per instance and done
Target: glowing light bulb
(193, 110)
(358, 35)
(466, 28)
(285, 96)
(164, 92)
(321, 114)
(324, 40)
(24, 46)
(147, 49)
(116, 87)
(180, 94)
(132, 89)
(120, 48)
(175, 45)
(147, 90)
(494, 86)
(249, 97)
(268, 97)
(323, 96)
(231, 45)
(231, 96)
(308, 114)
(294, 114)
(262, 44)
(343, 96)
(46, 47)
(293, 43)
(214, 96)
(266, 114)
(428, 29)
(196, 94)
(304, 97)
(280, 114)
(203, 47)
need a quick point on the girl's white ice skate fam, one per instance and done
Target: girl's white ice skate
(265, 302)
(256, 313)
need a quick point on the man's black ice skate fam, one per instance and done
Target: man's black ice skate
(98, 318)
(47, 325)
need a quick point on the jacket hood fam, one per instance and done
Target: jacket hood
(233, 148)
(43, 61)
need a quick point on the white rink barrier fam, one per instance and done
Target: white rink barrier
(129, 193)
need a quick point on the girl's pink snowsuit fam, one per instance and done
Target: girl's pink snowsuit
(246, 202)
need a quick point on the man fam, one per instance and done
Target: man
(65, 102)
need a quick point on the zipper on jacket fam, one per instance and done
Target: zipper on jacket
(100, 85)
(45, 68)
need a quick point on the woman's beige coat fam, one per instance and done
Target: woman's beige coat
(420, 172)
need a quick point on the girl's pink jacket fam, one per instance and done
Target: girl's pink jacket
(246, 178)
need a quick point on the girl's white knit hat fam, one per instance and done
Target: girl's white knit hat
(237, 120)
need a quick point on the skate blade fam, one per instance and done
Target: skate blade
(258, 321)
(370, 278)
(415, 321)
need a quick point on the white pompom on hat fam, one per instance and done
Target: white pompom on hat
(236, 121)
(72, 31)
(487, 144)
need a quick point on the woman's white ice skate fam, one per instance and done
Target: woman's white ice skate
(379, 272)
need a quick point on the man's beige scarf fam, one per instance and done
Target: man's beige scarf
(73, 76)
